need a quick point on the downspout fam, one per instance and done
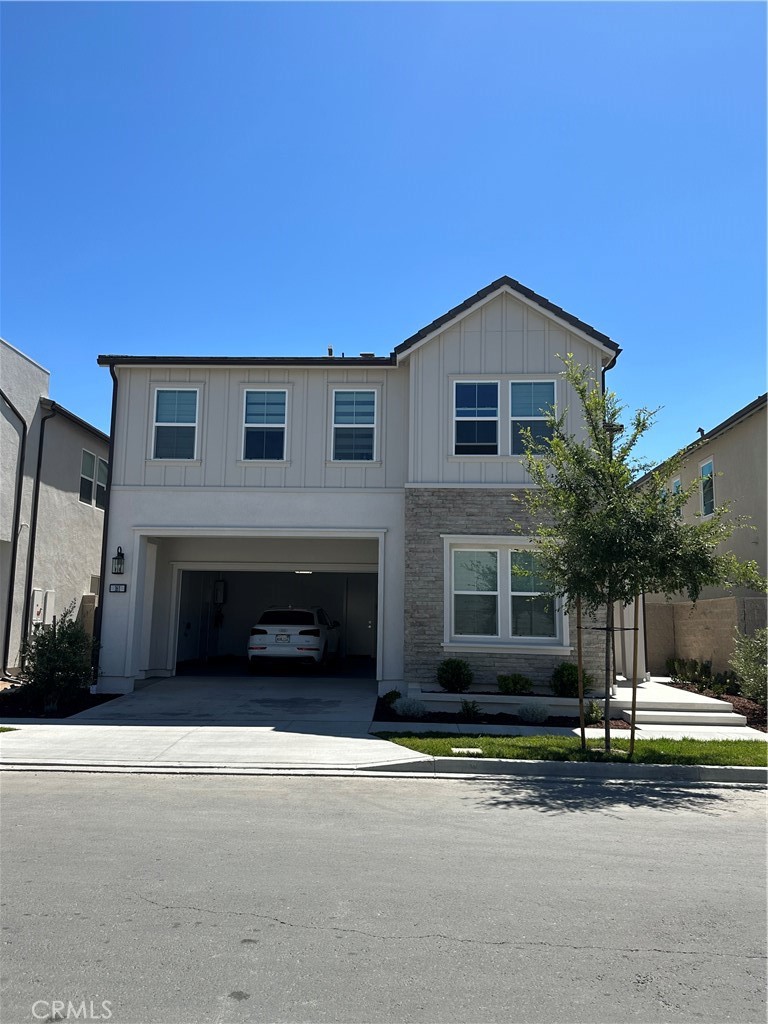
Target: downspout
(105, 529)
(33, 524)
(16, 530)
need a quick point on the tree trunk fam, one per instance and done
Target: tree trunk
(581, 675)
(634, 676)
(608, 671)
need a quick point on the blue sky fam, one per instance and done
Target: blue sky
(269, 179)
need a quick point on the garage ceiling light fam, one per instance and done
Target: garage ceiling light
(303, 572)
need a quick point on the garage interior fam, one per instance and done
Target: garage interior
(218, 606)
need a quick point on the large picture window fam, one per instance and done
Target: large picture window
(175, 423)
(264, 425)
(354, 426)
(477, 418)
(529, 403)
(496, 596)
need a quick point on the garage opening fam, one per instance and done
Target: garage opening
(217, 609)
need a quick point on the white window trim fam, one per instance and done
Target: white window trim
(707, 462)
(274, 426)
(374, 425)
(504, 545)
(476, 637)
(170, 386)
(477, 419)
(528, 419)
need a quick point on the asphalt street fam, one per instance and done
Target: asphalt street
(215, 900)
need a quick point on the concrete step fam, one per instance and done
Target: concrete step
(660, 716)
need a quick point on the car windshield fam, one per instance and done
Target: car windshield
(287, 617)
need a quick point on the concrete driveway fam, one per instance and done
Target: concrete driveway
(216, 722)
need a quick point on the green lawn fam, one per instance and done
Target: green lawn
(568, 748)
(6, 728)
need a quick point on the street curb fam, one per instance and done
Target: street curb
(430, 768)
(587, 770)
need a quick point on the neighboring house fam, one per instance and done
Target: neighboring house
(53, 485)
(378, 487)
(729, 463)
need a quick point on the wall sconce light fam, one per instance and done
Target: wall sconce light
(118, 563)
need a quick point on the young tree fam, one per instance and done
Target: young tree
(600, 538)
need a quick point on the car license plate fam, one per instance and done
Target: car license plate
(282, 638)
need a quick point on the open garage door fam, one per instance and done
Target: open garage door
(218, 607)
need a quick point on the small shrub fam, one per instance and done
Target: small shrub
(454, 675)
(689, 670)
(58, 660)
(471, 710)
(515, 685)
(749, 660)
(533, 713)
(593, 713)
(565, 680)
(391, 696)
(409, 707)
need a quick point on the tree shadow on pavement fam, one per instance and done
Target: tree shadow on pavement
(608, 796)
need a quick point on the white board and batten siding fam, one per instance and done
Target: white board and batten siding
(503, 340)
(219, 462)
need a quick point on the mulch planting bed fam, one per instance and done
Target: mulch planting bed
(384, 713)
(16, 702)
(754, 713)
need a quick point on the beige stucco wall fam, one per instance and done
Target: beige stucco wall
(705, 632)
(740, 458)
(25, 383)
(68, 537)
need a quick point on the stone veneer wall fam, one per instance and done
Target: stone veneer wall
(430, 512)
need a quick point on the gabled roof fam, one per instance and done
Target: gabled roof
(515, 286)
(54, 407)
(742, 414)
(506, 283)
(747, 411)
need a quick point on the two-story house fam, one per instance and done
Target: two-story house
(378, 487)
(728, 462)
(53, 488)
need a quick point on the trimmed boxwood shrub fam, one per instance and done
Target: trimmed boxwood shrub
(565, 680)
(454, 675)
(515, 685)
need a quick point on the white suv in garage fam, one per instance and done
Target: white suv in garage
(304, 634)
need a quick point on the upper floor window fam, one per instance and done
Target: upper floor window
(477, 418)
(529, 403)
(707, 472)
(93, 480)
(354, 426)
(264, 425)
(175, 423)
